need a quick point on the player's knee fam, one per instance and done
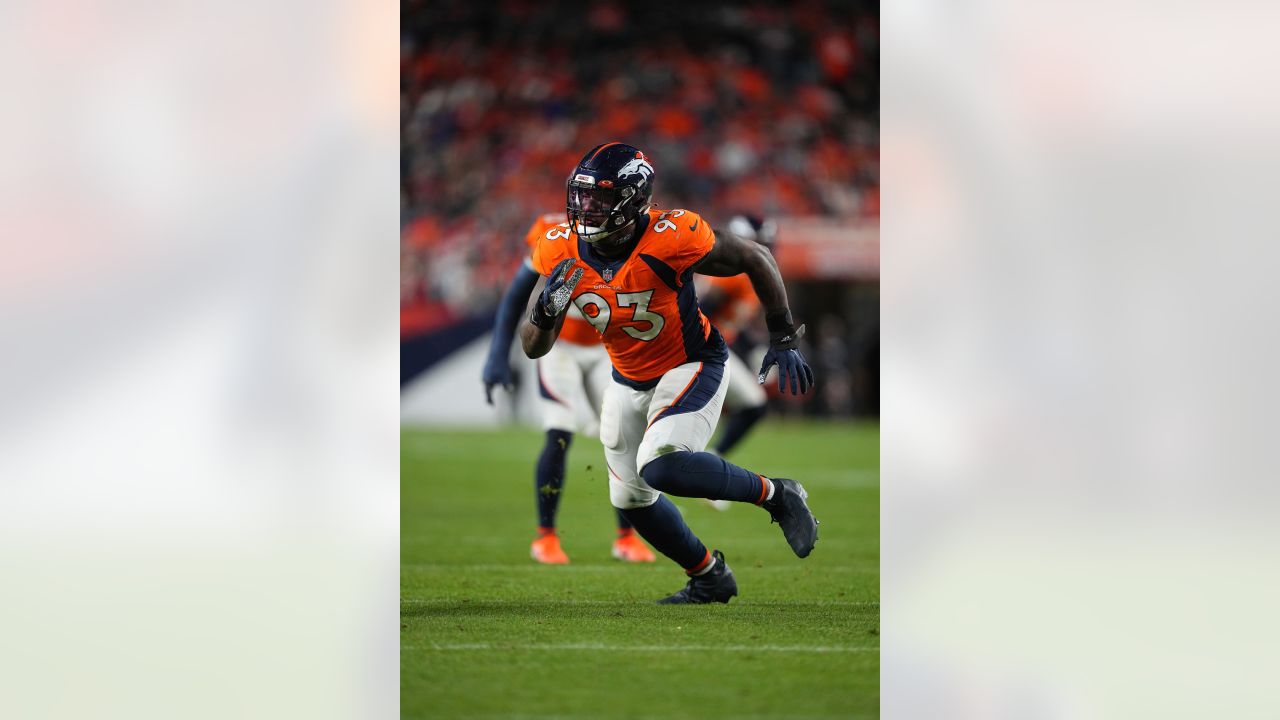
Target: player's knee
(625, 496)
(660, 472)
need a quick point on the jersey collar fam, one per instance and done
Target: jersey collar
(600, 264)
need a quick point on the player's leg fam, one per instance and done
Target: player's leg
(683, 412)
(622, 428)
(558, 384)
(593, 363)
(746, 402)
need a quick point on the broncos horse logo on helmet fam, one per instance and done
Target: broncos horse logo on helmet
(638, 166)
(608, 191)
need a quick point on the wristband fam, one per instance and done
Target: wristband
(778, 320)
(540, 319)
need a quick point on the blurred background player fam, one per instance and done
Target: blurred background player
(574, 373)
(732, 306)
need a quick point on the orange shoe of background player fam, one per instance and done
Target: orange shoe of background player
(630, 548)
(546, 549)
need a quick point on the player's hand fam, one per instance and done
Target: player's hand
(560, 284)
(556, 293)
(784, 353)
(497, 371)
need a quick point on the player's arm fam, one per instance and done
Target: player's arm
(547, 317)
(497, 369)
(537, 337)
(731, 255)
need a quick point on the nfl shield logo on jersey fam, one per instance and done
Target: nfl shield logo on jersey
(608, 274)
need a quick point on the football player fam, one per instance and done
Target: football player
(732, 307)
(628, 268)
(572, 374)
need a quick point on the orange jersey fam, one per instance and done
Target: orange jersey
(738, 304)
(576, 329)
(645, 304)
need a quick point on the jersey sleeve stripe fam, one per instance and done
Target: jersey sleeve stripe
(665, 272)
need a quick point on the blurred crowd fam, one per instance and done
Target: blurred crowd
(770, 107)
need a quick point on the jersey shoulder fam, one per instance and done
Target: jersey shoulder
(555, 244)
(678, 237)
(540, 227)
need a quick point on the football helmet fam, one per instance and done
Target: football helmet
(608, 191)
(754, 228)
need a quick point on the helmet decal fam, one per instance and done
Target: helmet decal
(638, 166)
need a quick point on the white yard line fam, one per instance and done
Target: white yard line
(647, 648)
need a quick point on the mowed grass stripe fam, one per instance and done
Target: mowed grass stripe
(504, 647)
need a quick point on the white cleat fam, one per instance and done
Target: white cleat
(720, 505)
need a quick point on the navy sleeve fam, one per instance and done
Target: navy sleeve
(509, 310)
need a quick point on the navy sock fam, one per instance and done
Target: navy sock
(737, 426)
(703, 475)
(549, 476)
(624, 525)
(665, 529)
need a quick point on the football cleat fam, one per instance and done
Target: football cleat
(720, 505)
(630, 548)
(789, 509)
(715, 585)
(546, 550)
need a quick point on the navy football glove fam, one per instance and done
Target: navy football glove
(791, 364)
(554, 299)
(497, 371)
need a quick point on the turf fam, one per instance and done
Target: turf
(485, 632)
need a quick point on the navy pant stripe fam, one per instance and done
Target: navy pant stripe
(698, 394)
(545, 391)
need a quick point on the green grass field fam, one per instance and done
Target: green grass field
(486, 632)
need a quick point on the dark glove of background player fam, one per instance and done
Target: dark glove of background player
(497, 369)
